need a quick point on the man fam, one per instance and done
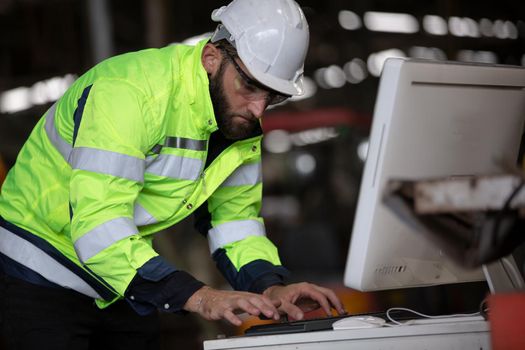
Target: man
(135, 145)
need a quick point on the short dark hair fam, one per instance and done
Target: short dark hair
(226, 46)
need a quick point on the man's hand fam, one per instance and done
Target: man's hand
(296, 299)
(213, 304)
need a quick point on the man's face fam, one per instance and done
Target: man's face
(234, 118)
(238, 99)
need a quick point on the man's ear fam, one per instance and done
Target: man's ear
(211, 58)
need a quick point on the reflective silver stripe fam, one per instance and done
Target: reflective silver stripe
(176, 167)
(249, 174)
(60, 144)
(181, 142)
(150, 160)
(102, 236)
(233, 231)
(34, 258)
(142, 217)
(107, 162)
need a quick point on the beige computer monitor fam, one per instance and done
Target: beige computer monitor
(431, 119)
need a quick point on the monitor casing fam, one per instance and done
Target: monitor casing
(431, 119)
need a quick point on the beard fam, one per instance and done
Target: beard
(222, 109)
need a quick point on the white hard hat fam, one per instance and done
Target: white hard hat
(271, 38)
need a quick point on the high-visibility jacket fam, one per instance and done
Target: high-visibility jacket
(121, 156)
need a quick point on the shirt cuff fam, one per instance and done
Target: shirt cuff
(162, 288)
(266, 281)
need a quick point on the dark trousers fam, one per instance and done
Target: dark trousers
(36, 317)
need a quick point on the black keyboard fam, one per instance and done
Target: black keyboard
(318, 324)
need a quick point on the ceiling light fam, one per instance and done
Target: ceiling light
(391, 22)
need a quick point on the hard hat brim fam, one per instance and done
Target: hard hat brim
(283, 86)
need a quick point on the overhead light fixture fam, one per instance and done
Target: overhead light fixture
(41, 92)
(362, 150)
(477, 56)
(463, 27)
(486, 27)
(335, 76)
(277, 141)
(312, 136)
(429, 53)
(355, 71)
(391, 22)
(435, 25)
(505, 29)
(349, 20)
(330, 77)
(305, 164)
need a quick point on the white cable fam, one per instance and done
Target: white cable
(422, 315)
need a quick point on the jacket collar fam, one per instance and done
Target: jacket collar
(196, 83)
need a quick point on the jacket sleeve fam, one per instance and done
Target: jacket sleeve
(158, 286)
(236, 232)
(108, 161)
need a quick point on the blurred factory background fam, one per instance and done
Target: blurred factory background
(314, 145)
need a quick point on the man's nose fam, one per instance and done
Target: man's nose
(257, 107)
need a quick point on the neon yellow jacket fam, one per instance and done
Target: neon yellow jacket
(141, 124)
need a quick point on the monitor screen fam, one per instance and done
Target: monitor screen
(431, 119)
